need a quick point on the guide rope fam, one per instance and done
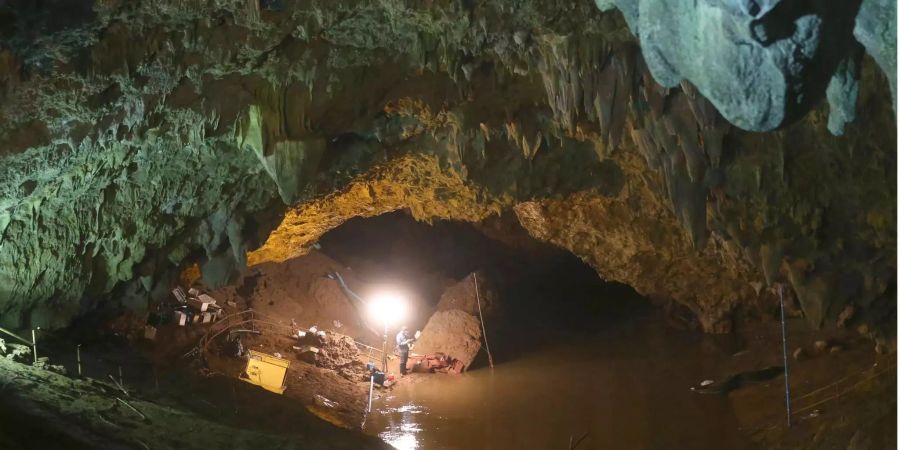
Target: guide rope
(480, 316)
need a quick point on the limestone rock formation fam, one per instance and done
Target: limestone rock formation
(140, 137)
(452, 332)
(761, 63)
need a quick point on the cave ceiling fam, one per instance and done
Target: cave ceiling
(703, 152)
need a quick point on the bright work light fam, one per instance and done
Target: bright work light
(388, 308)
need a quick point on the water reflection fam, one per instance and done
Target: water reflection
(622, 391)
(403, 426)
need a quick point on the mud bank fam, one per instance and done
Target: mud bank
(43, 409)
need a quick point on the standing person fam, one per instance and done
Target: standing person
(403, 341)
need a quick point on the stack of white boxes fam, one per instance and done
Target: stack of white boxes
(202, 309)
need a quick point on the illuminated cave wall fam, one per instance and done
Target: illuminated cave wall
(137, 137)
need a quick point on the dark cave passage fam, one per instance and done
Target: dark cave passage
(544, 293)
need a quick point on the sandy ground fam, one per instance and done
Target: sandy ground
(299, 289)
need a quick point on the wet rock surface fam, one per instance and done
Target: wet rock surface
(761, 63)
(140, 137)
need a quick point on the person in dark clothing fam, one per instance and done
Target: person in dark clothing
(403, 341)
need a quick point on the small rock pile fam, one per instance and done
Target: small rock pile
(22, 354)
(336, 352)
(15, 352)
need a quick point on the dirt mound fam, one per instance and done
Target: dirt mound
(300, 289)
(462, 296)
(453, 332)
(336, 352)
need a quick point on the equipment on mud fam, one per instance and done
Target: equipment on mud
(266, 371)
(191, 308)
(378, 377)
(434, 362)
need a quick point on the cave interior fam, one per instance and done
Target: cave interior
(625, 223)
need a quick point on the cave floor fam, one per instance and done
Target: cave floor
(43, 409)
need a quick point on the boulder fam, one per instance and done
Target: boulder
(461, 296)
(453, 332)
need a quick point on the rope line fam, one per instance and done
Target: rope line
(830, 385)
(845, 391)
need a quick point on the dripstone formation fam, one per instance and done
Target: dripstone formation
(703, 152)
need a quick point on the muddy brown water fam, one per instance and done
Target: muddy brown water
(626, 388)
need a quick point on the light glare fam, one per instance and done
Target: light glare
(388, 307)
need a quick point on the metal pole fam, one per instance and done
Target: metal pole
(480, 316)
(121, 381)
(384, 350)
(78, 358)
(16, 336)
(34, 344)
(787, 382)
(371, 389)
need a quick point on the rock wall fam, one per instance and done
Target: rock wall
(764, 63)
(139, 137)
